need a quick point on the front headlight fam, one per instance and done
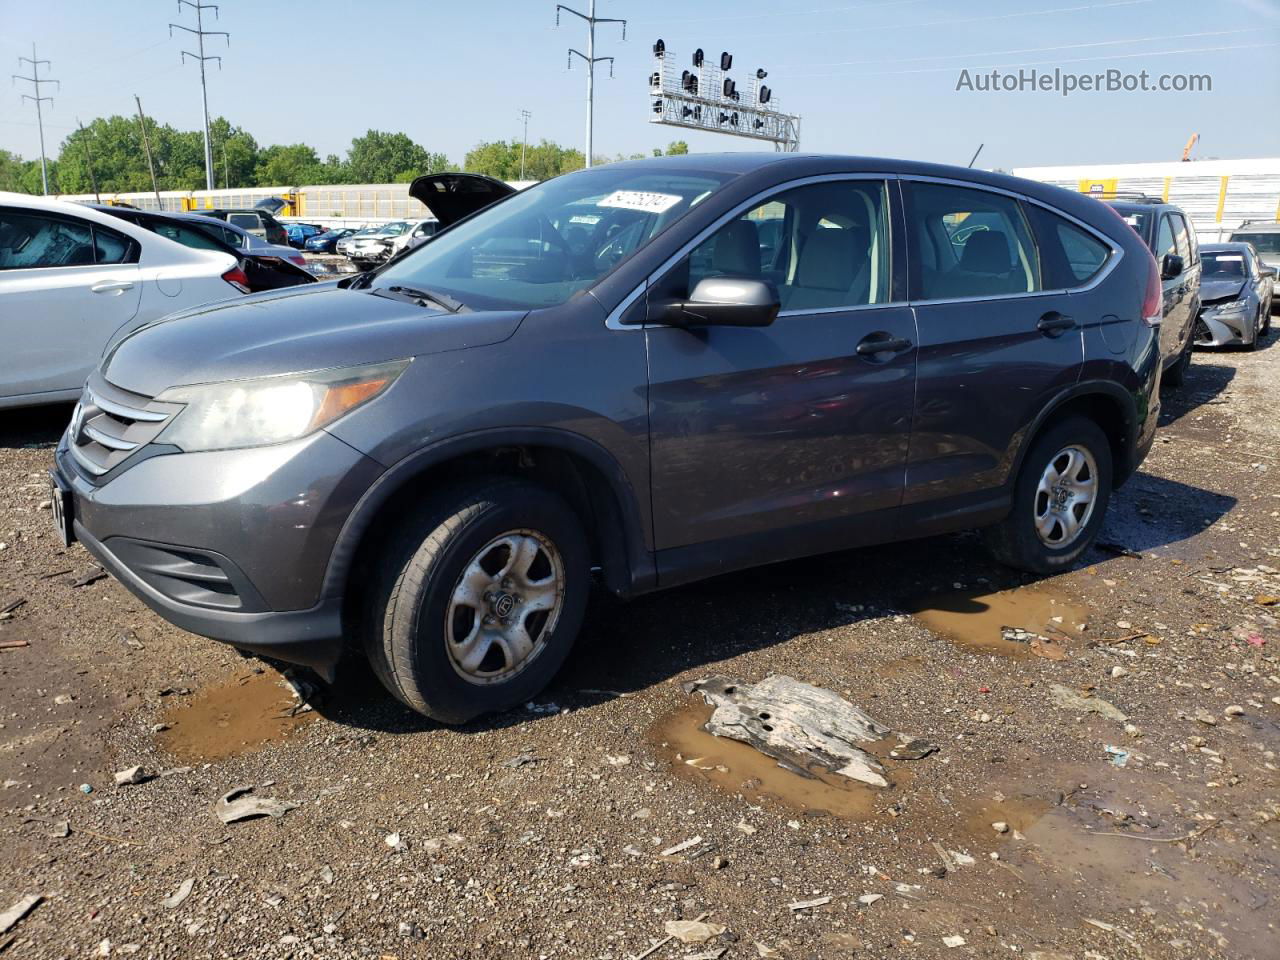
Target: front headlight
(252, 413)
(1228, 310)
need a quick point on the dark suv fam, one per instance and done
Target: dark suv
(1170, 235)
(664, 369)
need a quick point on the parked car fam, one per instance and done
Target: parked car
(74, 281)
(366, 249)
(1237, 290)
(1169, 234)
(434, 456)
(343, 246)
(266, 265)
(325, 242)
(300, 233)
(258, 222)
(1264, 235)
(418, 233)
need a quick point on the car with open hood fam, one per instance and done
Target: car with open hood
(625, 378)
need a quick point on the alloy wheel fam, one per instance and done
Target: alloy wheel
(1065, 496)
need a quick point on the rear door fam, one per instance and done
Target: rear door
(66, 285)
(778, 441)
(994, 344)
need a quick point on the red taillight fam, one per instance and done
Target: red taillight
(237, 278)
(300, 261)
(1153, 299)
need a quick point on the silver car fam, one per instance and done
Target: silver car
(367, 249)
(1236, 292)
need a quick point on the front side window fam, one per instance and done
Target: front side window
(29, 240)
(1166, 246)
(968, 243)
(1181, 239)
(821, 246)
(539, 247)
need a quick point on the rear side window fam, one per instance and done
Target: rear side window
(186, 236)
(968, 242)
(111, 247)
(1069, 255)
(1183, 235)
(245, 221)
(29, 241)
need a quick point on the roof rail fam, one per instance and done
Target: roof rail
(1133, 196)
(1259, 222)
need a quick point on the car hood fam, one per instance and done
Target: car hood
(303, 328)
(452, 196)
(1211, 290)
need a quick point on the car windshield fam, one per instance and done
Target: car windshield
(1262, 242)
(1223, 264)
(546, 244)
(393, 229)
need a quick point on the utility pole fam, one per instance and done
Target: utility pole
(524, 115)
(200, 33)
(590, 56)
(146, 145)
(88, 159)
(35, 81)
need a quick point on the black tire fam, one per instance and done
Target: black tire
(1014, 541)
(1176, 374)
(1266, 319)
(1257, 331)
(405, 632)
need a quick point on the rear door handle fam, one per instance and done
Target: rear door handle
(112, 286)
(882, 343)
(1054, 322)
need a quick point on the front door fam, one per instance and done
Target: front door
(790, 439)
(63, 293)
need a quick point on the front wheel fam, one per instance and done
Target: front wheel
(1258, 331)
(479, 599)
(1059, 499)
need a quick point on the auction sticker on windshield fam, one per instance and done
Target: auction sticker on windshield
(640, 200)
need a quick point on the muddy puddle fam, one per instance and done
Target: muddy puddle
(740, 769)
(977, 620)
(244, 712)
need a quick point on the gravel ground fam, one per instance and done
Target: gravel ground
(542, 833)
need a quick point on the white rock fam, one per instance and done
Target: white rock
(1000, 827)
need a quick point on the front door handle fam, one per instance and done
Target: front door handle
(1054, 323)
(112, 286)
(882, 343)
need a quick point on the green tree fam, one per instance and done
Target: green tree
(235, 155)
(12, 167)
(501, 159)
(380, 157)
(288, 166)
(677, 148)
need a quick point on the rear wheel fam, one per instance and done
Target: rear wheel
(479, 600)
(1059, 499)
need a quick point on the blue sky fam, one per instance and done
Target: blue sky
(868, 76)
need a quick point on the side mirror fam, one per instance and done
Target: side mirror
(1171, 267)
(1268, 272)
(720, 302)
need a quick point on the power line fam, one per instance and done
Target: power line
(200, 33)
(590, 56)
(36, 80)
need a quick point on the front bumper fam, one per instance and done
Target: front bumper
(230, 545)
(1211, 330)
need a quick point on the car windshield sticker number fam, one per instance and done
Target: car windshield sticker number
(1220, 258)
(640, 200)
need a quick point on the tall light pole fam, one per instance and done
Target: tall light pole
(590, 56)
(524, 115)
(35, 81)
(200, 33)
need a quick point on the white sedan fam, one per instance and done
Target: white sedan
(73, 281)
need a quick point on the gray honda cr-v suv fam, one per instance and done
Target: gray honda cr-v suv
(666, 369)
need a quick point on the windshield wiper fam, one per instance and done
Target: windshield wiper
(422, 297)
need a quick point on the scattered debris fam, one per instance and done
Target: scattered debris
(13, 644)
(131, 775)
(93, 576)
(1234, 711)
(797, 724)
(808, 904)
(9, 919)
(955, 940)
(1266, 600)
(175, 899)
(235, 806)
(867, 899)
(60, 830)
(1119, 757)
(1018, 635)
(1118, 549)
(396, 842)
(915, 749)
(694, 931)
(1000, 827)
(1066, 697)
(521, 760)
(1048, 649)
(681, 847)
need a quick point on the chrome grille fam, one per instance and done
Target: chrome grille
(110, 425)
